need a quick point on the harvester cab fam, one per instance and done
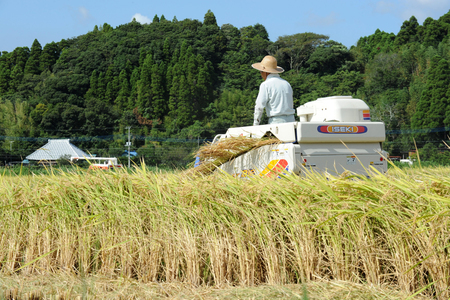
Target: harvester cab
(334, 135)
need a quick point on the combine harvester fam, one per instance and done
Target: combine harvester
(334, 135)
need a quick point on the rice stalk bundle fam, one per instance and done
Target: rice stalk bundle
(213, 155)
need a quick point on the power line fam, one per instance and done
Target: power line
(106, 137)
(196, 139)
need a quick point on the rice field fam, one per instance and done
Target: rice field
(151, 229)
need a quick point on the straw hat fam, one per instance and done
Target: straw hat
(269, 65)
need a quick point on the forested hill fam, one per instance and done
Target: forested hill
(192, 79)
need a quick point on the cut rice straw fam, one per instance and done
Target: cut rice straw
(213, 155)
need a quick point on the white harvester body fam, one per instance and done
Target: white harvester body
(100, 163)
(334, 134)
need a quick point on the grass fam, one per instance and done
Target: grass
(384, 237)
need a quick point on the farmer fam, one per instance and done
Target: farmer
(275, 94)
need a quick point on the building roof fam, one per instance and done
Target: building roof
(56, 149)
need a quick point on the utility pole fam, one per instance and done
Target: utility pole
(10, 150)
(129, 145)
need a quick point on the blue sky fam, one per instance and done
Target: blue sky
(345, 21)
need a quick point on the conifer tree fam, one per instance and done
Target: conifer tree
(432, 32)
(128, 68)
(33, 63)
(166, 50)
(109, 76)
(210, 19)
(124, 92)
(186, 113)
(191, 74)
(112, 85)
(16, 78)
(93, 85)
(144, 100)
(157, 85)
(408, 32)
(169, 78)
(132, 99)
(431, 108)
(109, 95)
(173, 95)
(183, 50)
(101, 86)
(5, 73)
(175, 57)
(20, 56)
(49, 56)
(142, 55)
(203, 88)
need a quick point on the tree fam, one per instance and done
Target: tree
(369, 46)
(203, 88)
(328, 58)
(434, 102)
(432, 32)
(294, 50)
(233, 108)
(99, 118)
(49, 56)
(132, 99)
(385, 72)
(254, 41)
(5, 72)
(408, 32)
(186, 112)
(232, 35)
(33, 63)
(15, 117)
(209, 19)
(159, 103)
(16, 78)
(144, 91)
(124, 92)
(93, 86)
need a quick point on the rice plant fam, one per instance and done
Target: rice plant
(215, 230)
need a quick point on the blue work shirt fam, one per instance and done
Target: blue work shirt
(276, 96)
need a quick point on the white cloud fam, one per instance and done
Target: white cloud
(83, 15)
(84, 12)
(431, 3)
(141, 19)
(423, 9)
(384, 7)
(319, 21)
(405, 9)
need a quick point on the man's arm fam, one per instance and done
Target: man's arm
(261, 102)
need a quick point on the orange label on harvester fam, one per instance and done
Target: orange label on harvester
(342, 129)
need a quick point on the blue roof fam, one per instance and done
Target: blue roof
(132, 153)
